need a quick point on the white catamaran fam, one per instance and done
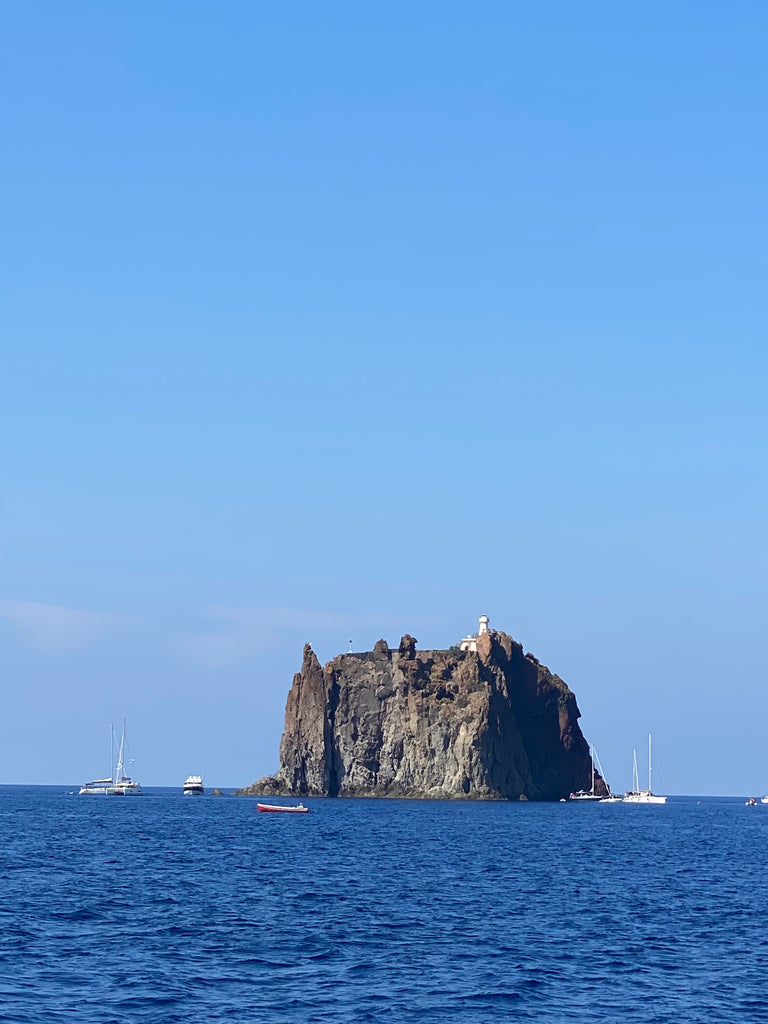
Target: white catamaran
(121, 784)
(642, 796)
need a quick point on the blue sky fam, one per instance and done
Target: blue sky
(325, 322)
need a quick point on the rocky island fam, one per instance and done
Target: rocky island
(481, 720)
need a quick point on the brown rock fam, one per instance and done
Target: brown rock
(407, 647)
(491, 725)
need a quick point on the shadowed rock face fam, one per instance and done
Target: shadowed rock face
(488, 725)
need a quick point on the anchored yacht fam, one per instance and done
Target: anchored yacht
(588, 794)
(193, 786)
(642, 796)
(121, 784)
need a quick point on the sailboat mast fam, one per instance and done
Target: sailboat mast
(649, 763)
(592, 757)
(119, 772)
(635, 780)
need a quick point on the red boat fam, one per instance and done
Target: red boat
(292, 809)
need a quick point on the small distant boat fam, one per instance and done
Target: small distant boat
(751, 802)
(764, 799)
(284, 809)
(642, 796)
(121, 784)
(193, 786)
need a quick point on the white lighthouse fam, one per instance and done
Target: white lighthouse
(469, 643)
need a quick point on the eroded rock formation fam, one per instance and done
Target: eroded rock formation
(490, 724)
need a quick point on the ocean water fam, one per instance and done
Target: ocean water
(165, 909)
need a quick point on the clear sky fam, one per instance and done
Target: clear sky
(334, 321)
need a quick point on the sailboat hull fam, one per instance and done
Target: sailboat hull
(127, 790)
(644, 798)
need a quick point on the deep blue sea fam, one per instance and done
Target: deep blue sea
(170, 909)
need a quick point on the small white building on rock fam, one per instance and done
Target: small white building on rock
(469, 643)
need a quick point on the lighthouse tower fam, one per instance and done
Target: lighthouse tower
(469, 643)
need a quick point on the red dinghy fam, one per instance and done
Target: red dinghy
(301, 809)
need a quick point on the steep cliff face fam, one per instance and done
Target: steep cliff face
(494, 724)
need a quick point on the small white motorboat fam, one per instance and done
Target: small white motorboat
(284, 809)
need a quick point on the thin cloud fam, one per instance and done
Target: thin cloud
(218, 650)
(295, 618)
(52, 626)
(244, 632)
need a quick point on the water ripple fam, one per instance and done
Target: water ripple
(170, 911)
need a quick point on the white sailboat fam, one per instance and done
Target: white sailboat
(642, 796)
(611, 798)
(590, 794)
(121, 784)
